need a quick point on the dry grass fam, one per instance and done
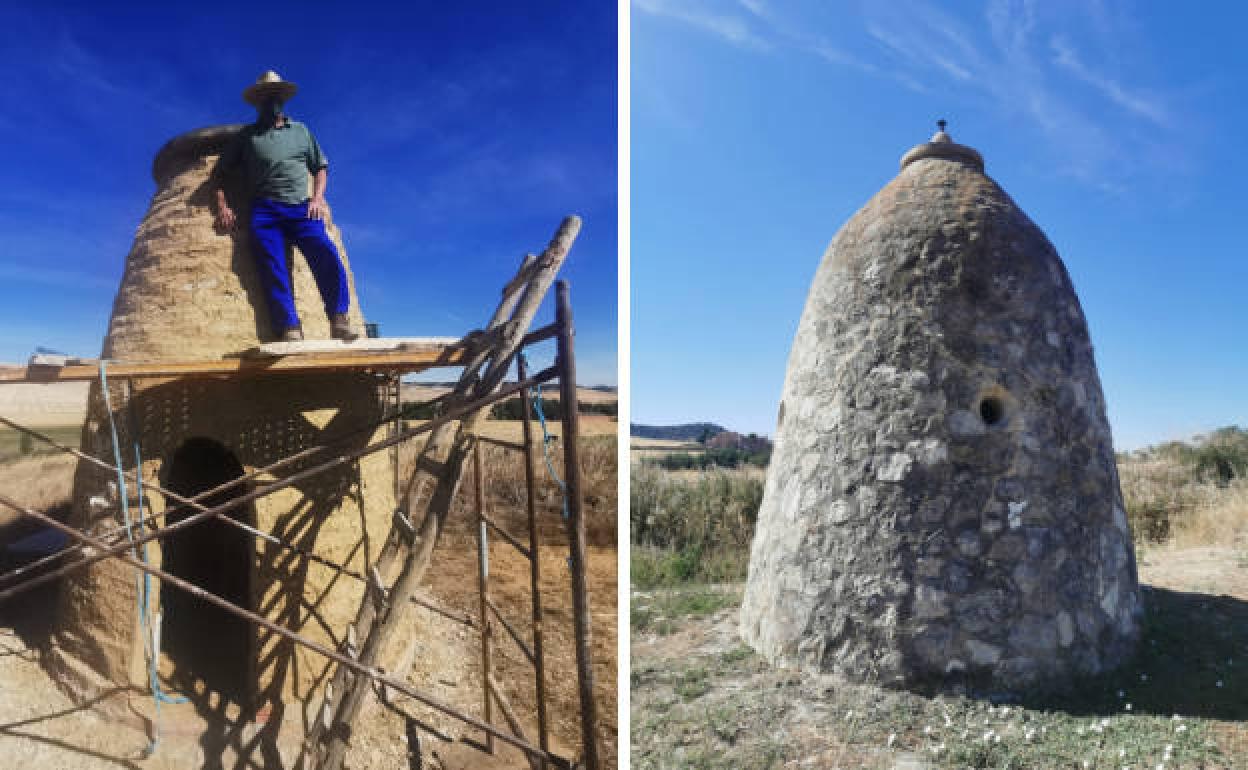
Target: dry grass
(42, 482)
(1167, 503)
(505, 487)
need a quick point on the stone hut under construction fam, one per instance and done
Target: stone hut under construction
(192, 293)
(943, 507)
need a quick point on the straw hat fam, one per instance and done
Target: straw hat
(267, 84)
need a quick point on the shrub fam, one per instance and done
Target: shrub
(692, 529)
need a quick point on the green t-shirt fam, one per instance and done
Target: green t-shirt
(276, 160)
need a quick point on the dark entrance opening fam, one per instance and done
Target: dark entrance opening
(211, 649)
(991, 410)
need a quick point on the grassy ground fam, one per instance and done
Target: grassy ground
(702, 699)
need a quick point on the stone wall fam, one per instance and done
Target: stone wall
(942, 505)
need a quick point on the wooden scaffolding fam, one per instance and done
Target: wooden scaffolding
(453, 439)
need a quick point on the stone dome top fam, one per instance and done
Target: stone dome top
(941, 145)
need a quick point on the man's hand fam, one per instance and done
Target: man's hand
(317, 208)
(225, 218)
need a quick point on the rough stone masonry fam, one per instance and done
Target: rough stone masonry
(942, 506)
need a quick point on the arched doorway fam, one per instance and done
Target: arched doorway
(210, 648)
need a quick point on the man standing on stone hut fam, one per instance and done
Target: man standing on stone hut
(276, 155)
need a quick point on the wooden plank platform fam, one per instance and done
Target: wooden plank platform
(392, 355)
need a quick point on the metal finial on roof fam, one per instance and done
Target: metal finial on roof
(941, 145)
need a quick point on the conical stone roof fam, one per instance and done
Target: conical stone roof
(942, 505)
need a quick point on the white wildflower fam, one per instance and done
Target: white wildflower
(927, 730)
(892, 738)
(1128, 707)
(1143, 677)
(849, 713)
(1121, 694)
(1218, 683)
(1181, 729)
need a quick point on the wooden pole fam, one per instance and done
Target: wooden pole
(566, 364)
(535, 559)
(483, 580)
(435, 492)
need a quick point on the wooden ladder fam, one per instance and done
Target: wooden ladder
(431, 489)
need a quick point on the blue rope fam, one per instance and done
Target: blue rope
(547, 438)
(143, 583)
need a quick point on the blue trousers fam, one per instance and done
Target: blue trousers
(273, 224)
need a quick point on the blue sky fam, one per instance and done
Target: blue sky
(458, 136)
(758, 127)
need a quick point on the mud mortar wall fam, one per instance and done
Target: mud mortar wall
(943, 505)
(343, 515)
(189, 291)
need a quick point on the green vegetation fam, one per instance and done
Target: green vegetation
(511, 409)
(693, 431)
(14, 444)
(715, 509)
(713, 458)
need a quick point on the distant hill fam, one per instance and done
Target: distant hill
(692, 431)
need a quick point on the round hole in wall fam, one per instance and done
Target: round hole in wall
(991, 410)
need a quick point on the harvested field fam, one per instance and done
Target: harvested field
(654, 448)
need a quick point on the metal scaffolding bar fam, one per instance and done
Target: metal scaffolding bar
(359, 668)
(107, 551)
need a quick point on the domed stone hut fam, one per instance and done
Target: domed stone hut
(942, 506)
(192, 293)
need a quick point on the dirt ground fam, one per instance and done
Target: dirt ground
(40, 726)
(700, 698)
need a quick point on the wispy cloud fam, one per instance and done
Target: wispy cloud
(1142, 104)
(729, 27)
(1025, 61)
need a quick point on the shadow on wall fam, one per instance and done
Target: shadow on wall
(234, 673)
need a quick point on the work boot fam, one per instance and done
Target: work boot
(293, 334)
(340, 328)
